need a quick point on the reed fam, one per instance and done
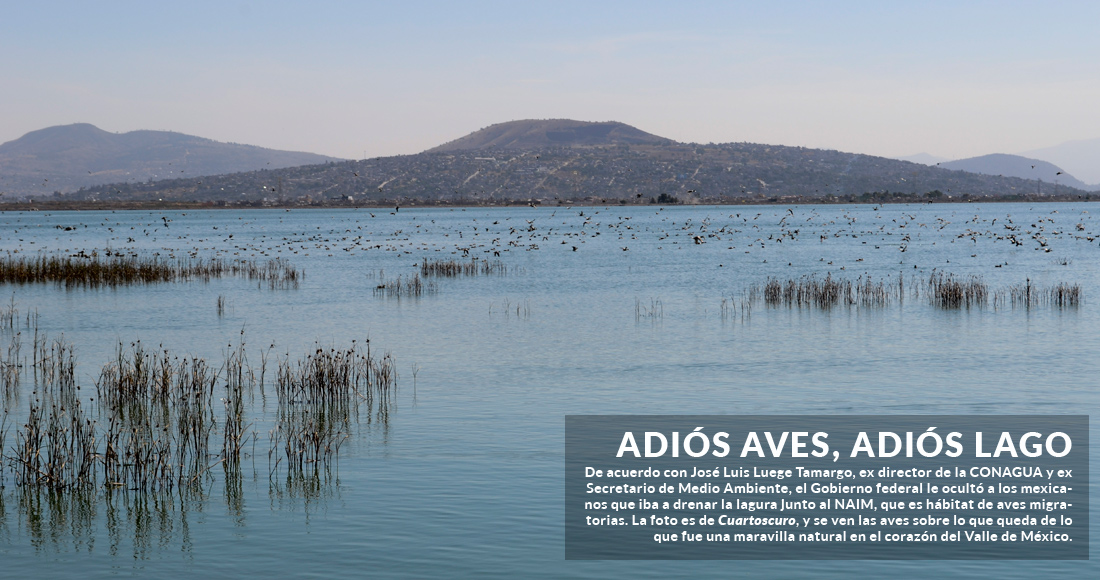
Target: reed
(93, 271)
(942, 290)
(405, 287)
(319, 400)
(55, 367)
(160, 424)
(455, 268)
(56, 448)
(948, 291)
(655, 310)
(733, 307)
(11, 368)
(160, 418)
(9, 315)
(238, 379)
(519, 309)
(1064, 295)
(825, 293)
(1028, 295)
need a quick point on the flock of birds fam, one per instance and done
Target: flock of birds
(867, 233)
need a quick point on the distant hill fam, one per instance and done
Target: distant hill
(1017, 166)
(576, 162)
(1081, 158)
(535, 134)
(923, 158)
(68, 157)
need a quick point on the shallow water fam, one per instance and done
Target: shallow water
(465, 478)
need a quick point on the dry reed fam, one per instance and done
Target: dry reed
(405, 287)
(319, 398)
(942, 290)
(455, 268)
(83, 271)
(947, 291)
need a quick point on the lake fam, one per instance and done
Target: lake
(592, 310)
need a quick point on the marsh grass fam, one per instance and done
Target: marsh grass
(455, 268)
(404, 287)
(942, 290)
(1027, 295)
(160, 420)
(825, 293)
(319, 398)
(951, 292)
(93, 271)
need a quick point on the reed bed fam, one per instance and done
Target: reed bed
(1027, 295)
(456, 268)
(160, 418)
(239, 380)
(319, 399)
(84, 271)
(336, 378)
(55, 366)
(1064, 295)
(56, 448)
(942, 290)
(950, 292)
(823, 293)
(405, 287)
(154, 425)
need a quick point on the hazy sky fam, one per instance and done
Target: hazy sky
(354, 79)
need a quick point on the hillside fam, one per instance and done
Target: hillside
(68, 157)
(1017, 166)
(471, 171)
(538, 134)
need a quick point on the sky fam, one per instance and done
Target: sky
(364, 79)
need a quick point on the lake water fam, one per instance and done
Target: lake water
(601, 310)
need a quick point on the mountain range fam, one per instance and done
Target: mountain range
(1081, 158)
(67, 157)
(1019, 166)
(564, 161)
(1064, 164)
(528, 161)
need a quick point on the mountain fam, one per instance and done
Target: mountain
(561, 162)
(68, 157)
(538, 133)
(923, 158)
(1017, 166)
(1081, 158)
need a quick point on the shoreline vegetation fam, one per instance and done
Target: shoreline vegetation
(871, 198)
